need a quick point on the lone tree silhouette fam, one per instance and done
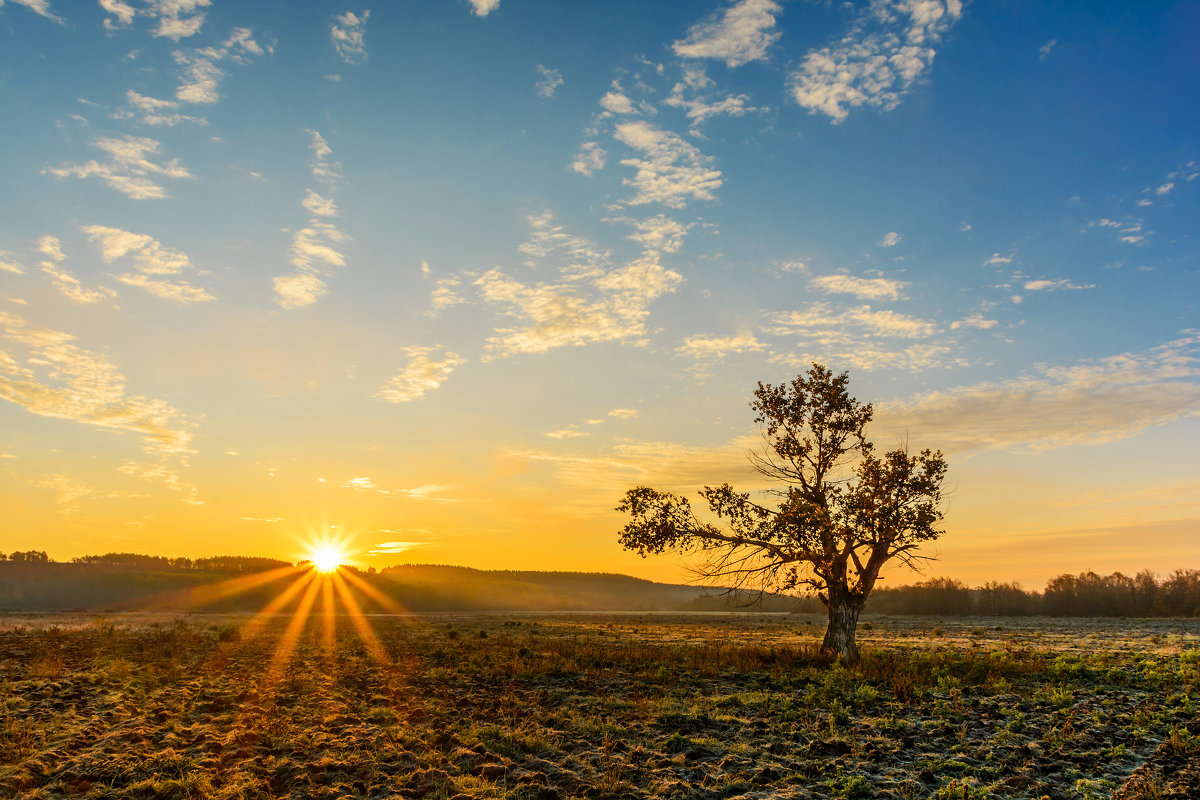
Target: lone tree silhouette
(843, 514)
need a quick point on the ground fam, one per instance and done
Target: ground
(546, 706)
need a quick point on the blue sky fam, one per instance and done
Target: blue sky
(441, 280)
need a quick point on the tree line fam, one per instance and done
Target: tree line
(137, 561)
(1084, 595)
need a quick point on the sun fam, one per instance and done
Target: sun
(327, 558)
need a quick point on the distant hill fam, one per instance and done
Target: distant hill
(446, 588)
(127, 583)
(30, 581)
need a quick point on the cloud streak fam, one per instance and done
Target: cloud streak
(887, 50)
(177, 19)
(548, 82)
(1090, 403)
(669, 170)
(151, 260)
(860, 337)
(63, 280)
(316, 248)
(420, 376)
(864, 288)
(84, 387)
(744, 32)
(590, 300)
(201, 73)
(39, 7)
(348, 34)
(132, 167)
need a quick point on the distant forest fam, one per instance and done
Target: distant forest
(32, 581)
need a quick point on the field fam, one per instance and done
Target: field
(547, 706)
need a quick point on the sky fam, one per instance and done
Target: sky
(441, 280)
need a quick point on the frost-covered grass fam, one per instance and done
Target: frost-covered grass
(598, 706)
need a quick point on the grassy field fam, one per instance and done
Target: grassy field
(720, 706)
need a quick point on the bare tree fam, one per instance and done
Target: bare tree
(843, 512)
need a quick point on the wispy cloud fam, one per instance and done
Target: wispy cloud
(890, 239)
(62, 279)
(977, 321)
(174, 19)
(9, 263)
(702, 346)
(481, 8)
(324, 169)
(671, 171)
(319, 206)
(175, 291)
(1129, 231)
(1093, 402)
(617, 103)
(1187, 173)
(590, 300)
(446, 294)
(740, 34)
(865, 288)
(160, 473)
(316, 248)
(823, 319)
(887, 49)
(201, 73)
(427, 492)
(1047, 285)
(420, 376)
(547, 238)
(859, 337)
(548, 82)
(122, 14)
(149, 257)
(84, 387)
(669, 465)
(39, 7)
(660, 233)
(69, 490)
(691, 96)
(129, 169)
(591, 158)
(394, 548)
(613, 307)
(155, 111)
(570, 432)
(348, 33)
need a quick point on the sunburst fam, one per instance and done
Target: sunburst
(327, 558)
(325, 578)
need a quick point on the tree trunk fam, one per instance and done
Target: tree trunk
(843, 621)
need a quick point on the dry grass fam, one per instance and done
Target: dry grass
(598, 706)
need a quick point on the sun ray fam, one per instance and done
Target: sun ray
(260, 619)
(200, 596)
(374, 647)
(329, 629)
(376, 595)
(287, 643)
